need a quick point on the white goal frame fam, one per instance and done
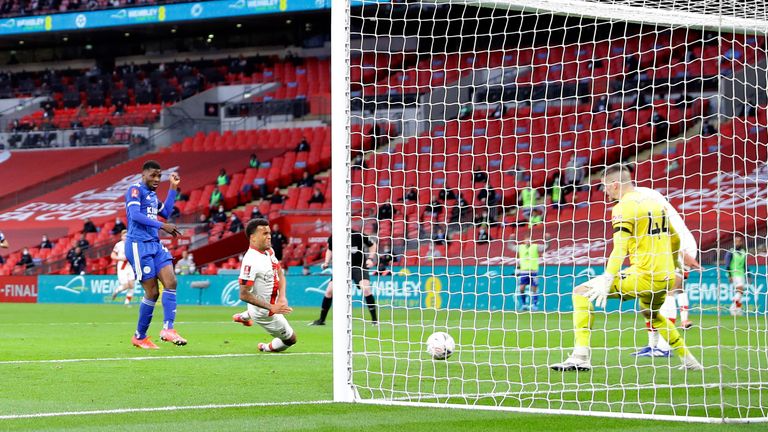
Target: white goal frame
(343, 386)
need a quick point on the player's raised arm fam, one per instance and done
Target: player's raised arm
(166, 208)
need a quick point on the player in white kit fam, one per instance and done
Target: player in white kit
(658, 347)
(126, 278)
(262, 286)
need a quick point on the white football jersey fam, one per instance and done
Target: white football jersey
(122, 263)
(687, 242)
(259, 271)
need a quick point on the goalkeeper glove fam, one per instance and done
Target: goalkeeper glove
(599, 291)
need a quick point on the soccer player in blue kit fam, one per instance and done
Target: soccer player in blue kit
(150, 259)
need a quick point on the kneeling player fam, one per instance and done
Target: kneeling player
(640, 230)
(262, 286)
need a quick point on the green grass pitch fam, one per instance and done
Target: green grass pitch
(503, 363)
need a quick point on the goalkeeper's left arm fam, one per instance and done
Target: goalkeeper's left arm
(622, 232)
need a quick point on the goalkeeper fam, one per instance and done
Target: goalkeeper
(642, 230)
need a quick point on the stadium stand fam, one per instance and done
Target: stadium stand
(24, 179)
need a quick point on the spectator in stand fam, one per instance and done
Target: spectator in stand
(204, 223)
(186, 265)
(482, 234)
(89, 227)
(708, 128)
(446, 194)
(45, 243)
(119, 227)
(257, 214)
(480, 176)
(537, 217)
(277, 197)
(660, 127)
(119, 108)
(466, 111)
(83, 243)
(601, 105)
(215, 198)
(317, 197)
(487, 195)
(438, 236)
(529, 199)
(358, 161)
(235, 224)
(520, 175)
(4, 245)
(412, 195)
(435, 207)
(77, 261)
(26, 260)
(223, 178)
(385, 212)
(303, 145)
(48, 109)
(220, 216)
(499, 111)
(461, 208)
(556, 192)
(307, 180)
(618, 120)
(254, 162)
(278, 241)
(106, 131)
(572, 177)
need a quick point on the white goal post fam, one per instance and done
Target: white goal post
(501, 117)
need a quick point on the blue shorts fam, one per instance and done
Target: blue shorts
(528, 278)
(152, 257)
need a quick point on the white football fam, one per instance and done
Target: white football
(440, 345)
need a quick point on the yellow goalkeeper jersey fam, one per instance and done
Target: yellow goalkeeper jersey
(641, 229)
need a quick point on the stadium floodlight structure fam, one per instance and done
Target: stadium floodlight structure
(522, 92)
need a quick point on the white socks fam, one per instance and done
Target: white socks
(275, 346)
(581, 353)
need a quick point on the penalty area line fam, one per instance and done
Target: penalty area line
(159, 409)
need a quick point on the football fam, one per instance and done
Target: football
(440, 345)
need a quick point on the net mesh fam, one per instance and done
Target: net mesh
(478, 125)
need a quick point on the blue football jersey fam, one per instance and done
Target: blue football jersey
(140, 195)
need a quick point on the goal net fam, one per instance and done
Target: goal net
(470, 140)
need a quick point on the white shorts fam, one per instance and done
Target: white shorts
(275, 325)
(126, 275)
(738, 281)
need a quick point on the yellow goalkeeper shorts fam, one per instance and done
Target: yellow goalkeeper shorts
(650, 293)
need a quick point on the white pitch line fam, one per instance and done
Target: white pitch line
(393, 355)
(179, 357)
(99, 323)
(156, 409)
